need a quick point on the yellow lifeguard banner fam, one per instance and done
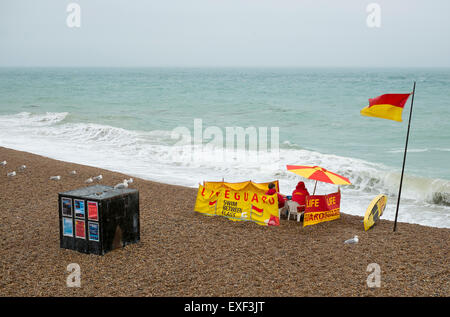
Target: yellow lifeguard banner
(244, 201)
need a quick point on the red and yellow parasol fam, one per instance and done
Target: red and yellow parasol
(318, 173)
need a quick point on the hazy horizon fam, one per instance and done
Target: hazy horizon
(236, 67)
(225, 34)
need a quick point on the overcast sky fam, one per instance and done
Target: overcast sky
(225, 33)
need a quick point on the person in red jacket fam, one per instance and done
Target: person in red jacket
(299, 195)
(281, 198)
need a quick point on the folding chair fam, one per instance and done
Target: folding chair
(293, 209)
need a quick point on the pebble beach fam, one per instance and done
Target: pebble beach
(184, 253)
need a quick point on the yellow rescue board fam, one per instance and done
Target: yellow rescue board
(374, 211)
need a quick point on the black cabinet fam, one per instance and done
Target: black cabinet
(98, 219)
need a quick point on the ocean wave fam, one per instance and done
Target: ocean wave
(156, 155)
(441, 199)
(27, 119)
(442, 149)
(409, 150)
(290, 145)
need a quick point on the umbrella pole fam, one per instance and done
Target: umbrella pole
(315, 188)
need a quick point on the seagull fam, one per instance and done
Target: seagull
(3, 163)
(11, 174)
(22, 167)
(122, 185)
(98, 178)
(55, 178)
(73, 173)
(352, 241)
(89, 180)
(130, 181)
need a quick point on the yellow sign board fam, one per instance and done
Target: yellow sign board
(238, 202)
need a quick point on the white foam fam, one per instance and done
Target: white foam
(401, 150)
(26, 119)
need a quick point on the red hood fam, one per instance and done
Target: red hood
(301, 186)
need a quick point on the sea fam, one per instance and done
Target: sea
(130, 120)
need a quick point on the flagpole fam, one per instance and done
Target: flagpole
(404, 157)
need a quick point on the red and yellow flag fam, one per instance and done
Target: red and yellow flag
(389, 106)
